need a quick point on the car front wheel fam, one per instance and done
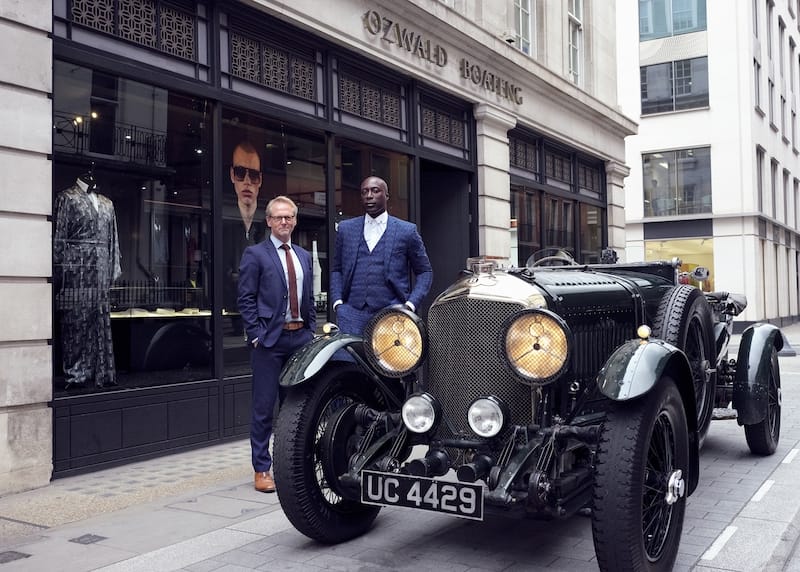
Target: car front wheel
(640, 482)
(309, 499)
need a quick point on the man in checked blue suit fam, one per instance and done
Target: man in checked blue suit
(372, 259)
(276, 301)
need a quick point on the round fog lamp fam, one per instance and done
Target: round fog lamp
(486, 417)
(419, 413)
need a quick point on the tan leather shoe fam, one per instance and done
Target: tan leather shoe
(264, 483)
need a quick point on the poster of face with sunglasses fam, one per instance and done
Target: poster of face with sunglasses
(246, 178)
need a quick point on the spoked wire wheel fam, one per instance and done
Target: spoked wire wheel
(329, 410)
(660, 469)
(640, 480)
(304, 448)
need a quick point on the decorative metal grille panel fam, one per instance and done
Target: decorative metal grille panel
(443, 127)
(97, 14)
(303, 78)
(272, 67)
(177, 33)
(525, 155)
(349, 95)
(428, 122)
(137, 22)
(462, 367)
(148, 23)
(369, 101)
(244, 58)
(589, 178)
(276, 69)
(557, 167)
(457, 131)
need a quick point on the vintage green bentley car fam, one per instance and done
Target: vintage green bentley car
(535, 392)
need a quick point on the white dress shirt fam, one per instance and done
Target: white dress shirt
(298, 272)
(374, 228)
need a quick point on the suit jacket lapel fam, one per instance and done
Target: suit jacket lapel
(355, 244)
(273, 254)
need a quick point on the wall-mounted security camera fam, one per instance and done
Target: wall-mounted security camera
(509, 37)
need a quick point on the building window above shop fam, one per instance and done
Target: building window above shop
(575, 32)
(674, 86)
(523, 25)
(677, 182)
(663, 18)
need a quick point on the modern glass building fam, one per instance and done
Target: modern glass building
(715, 175)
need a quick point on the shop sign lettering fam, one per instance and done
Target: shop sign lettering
(490, 81)
(409, 40)
(414, 43)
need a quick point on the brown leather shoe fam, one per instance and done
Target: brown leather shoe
(264, 483)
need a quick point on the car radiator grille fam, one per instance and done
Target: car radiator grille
(464, 359)
(464, 362)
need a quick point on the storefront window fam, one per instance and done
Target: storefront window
(591, 234)
(354, 163)
(559, 225)
(693, 252)
(261, 160)
(525, 227)
(132, 218)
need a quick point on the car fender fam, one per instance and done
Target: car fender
(752, 372)
(634, 369)
(309, 360)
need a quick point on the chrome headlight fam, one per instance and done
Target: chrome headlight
(420, 413)
(487, 416)
(536, 345)
(394, 340)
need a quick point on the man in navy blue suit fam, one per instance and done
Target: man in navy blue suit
(276, 302)
(372, 259)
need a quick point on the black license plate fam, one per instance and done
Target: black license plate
(388, 489)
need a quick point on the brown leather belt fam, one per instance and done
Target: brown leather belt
(292, 325)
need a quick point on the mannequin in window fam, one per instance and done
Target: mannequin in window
(86, 261)
(245, 174)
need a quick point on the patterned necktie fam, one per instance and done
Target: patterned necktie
(294, 306)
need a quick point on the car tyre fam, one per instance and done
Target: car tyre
(763, 437)
(643, 456)
(310, 502)
(684, 320)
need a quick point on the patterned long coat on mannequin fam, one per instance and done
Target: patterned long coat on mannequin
(86, 261)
